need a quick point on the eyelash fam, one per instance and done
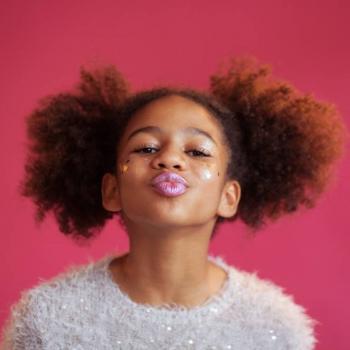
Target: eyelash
(203, 152)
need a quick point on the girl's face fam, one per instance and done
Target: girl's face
(172, 134)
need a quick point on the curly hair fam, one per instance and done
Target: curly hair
(284, 144)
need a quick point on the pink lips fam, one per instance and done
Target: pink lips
(169, 184)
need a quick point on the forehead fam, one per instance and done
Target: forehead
(173, 114)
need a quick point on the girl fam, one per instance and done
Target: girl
(172, 163)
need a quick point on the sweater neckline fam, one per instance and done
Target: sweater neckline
(213, 306)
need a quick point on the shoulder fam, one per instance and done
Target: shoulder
(62, 297)
(275, 313)
(75, 281)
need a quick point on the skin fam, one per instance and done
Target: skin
(169, 236)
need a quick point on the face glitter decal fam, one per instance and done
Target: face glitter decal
(124, 167)
(207, 173)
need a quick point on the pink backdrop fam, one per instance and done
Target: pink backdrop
(43, 45)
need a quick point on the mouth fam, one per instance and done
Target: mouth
(170, 189)
(169, 184)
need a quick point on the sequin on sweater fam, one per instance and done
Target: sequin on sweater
(84, 309)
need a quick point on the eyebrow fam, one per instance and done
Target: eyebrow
(156, 129)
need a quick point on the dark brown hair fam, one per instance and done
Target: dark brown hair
(283, 143)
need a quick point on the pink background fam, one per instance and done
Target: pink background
(307, 42)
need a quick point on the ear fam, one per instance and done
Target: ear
(230, 197)
(110, 193)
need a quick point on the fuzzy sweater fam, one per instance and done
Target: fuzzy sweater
(84, 309)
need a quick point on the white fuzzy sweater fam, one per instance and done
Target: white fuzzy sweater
(83, 308)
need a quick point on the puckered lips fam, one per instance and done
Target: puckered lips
(169, 184)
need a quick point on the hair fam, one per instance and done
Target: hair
(283, 144)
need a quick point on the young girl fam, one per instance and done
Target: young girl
(172, 164)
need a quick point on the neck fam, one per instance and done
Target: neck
(167, 268)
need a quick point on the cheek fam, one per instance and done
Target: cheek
(131, 167)
(130, 174)
(208, 172)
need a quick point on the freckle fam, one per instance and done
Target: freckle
(127, 161)
(218, 174)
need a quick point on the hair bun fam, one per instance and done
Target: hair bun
(71, 145)
(291, 140)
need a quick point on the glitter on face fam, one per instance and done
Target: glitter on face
(207, 174)
(124, 167)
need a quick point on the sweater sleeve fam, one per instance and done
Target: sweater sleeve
(296, 325)
(20, 331)
(286, 325)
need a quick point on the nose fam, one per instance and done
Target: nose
(169, 157)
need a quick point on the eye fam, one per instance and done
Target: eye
(199, 153)
(145, 149)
